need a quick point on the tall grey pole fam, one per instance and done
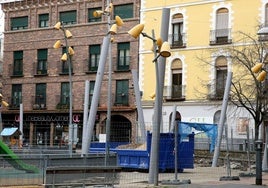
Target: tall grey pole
(141, 123)
(160, 75)
(86, 102)
(222, 118)
(109, 98)
(97, 88)
(21, 125)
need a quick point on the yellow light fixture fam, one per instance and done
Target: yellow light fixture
(109, 8)
(57, 44)
(64, 57)
(113, 29)
(112, 39)
(136, 30)
(98, 13)
(71, 51)
(261, 76)
(57, 25)
(4, 103)
(257, 68)
(118, 21)
(68, 34)
(165, 50)
(159, 42)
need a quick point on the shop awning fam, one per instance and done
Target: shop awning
(8, 131)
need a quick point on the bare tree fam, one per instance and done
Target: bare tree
(247, 92)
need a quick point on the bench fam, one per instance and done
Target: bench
(82, 175)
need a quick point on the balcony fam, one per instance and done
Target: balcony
(174, 93)
(177, 40)
(121, 99)
(39, 102)
(63, 102)
(14, 103)
(215, 93)
(220, 37)
(263, 37)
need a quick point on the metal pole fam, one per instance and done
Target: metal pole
(160, 75)
(97, 88)
(86, 102)
(222, 118)
(70, 135)
(21, 125)
(109, 99)
(141, 123)
(258, 147)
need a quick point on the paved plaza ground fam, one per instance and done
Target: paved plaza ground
(200, 177)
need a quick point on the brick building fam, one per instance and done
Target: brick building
(35, 76)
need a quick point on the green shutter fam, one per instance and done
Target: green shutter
(43, 17)
(68, 17)
(123, 46)
(124, 11)
(94, 49)
(19, 22)
(18, 55)
(42, 54)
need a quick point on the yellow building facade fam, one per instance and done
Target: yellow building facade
(199, 31)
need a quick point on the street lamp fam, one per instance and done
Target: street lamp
(163, 50)
(67, 57)
(112, 30)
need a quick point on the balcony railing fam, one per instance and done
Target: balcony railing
(14, 103)
(220, 36)
(215, 93)
(121, 99)
(177, 40)
(39, 102)
(175, 92)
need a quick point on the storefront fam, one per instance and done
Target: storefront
(48, 129)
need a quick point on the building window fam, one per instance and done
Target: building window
(124, 11)
(40, 95)
(43, 20)
(19, 23)
(18, 63)
(41, 61)
(64, 97)
(222, 32)
(221, 76)
(122, 88)
(91, 18)
(177, 31)
(65, 64)
(16, 98)
(177, 86)
(94, 57)
(123, 56)
(91, 90)
(68, 18)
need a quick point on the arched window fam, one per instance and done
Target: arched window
(177, 31)
(177, 87)
(221, 75)
(222, 31)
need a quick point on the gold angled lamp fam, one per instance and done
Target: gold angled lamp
(98, 13)
(57, 25)
(136, 30)
(257, 68)
(109, 8)
(113, 29)
(118, 21)
(68, 34)
(165, 50)
(64, 57)
(57, 44)
(71, 51)
(261, 76)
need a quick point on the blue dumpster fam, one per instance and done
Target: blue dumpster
(140, 159)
